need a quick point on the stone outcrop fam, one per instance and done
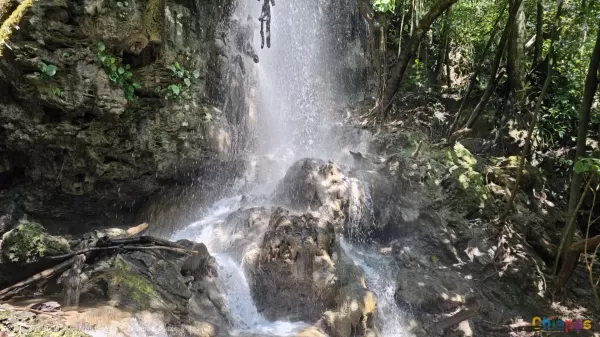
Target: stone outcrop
(104, 103)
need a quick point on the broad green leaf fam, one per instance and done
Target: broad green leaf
(51, 70)
(175, 89)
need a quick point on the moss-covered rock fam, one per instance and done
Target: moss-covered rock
(465, 186)
(140, 293)
(29, 242)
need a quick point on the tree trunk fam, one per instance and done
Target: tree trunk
(478, 69)
(489, 90)
(400, 69)
(516, 56)
(572, 257)
(538, 107)
(539, 34)
(443, 50)
(591, 85)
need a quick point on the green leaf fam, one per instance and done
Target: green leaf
(579, 166)
(196, 74)
(175, 89)
(158, 89)
(121, 70)
(102, 58)
(51, 70)
(120, 4)
(113, 67)
(136, 85)
(125, 3)
(180, 74)
(101, 46)
(187, 82)
(177, 65)
(127, 66)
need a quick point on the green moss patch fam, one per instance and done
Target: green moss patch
(29, 241)
(134, 290)
(466, 188)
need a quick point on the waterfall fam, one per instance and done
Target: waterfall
(314, 64)
(312, 72)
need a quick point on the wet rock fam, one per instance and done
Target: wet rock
(315, 185)
(294, 278)
(9, 216)
(311, 332)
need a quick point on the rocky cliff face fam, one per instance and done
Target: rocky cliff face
(105, 102)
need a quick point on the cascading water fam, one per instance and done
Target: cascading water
(379, 280)
(233, 284)
(308, 74)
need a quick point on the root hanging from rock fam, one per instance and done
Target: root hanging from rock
(265, 16)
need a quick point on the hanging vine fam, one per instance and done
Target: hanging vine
(265, 16)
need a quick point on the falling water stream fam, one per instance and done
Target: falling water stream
(309, 72)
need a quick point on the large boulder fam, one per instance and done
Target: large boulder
(25, 250)
(313, 185)
(294, 278)
(179, 287)
(301, 273)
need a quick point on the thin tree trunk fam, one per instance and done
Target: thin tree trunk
(400, 69)
(443, 50)
(539, 34)
(538, 107)
(401, 30)
(367, 13)
(591, 85)
(489, 90)
(516, 55)
(478, 69)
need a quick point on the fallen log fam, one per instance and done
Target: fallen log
(14, 289)
(144, 239)
(95, 249)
